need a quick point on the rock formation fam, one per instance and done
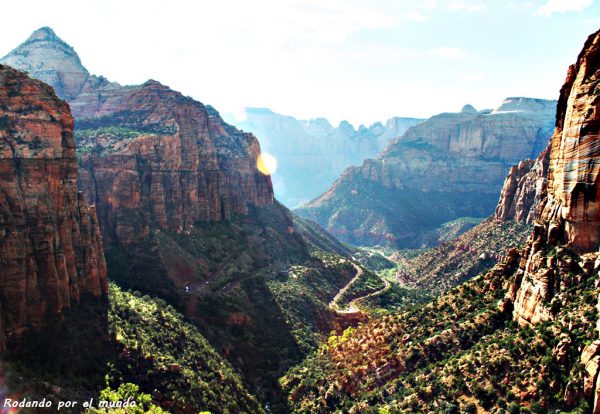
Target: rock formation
(449, 166)
(150, 157)
(50, 245)
(562, 251)
(568, 212)
(312, 153)
(177, 163)
(49, 59)
(523, 190)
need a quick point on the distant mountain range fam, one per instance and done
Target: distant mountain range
(450, 166)
(312, 154)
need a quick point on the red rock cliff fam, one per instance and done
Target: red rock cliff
(50, 245)
(569, 209)
(153, 157)
(523, 190)
(573, 179)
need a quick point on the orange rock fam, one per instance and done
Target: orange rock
(50, 245)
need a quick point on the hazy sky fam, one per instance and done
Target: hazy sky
(362, 61)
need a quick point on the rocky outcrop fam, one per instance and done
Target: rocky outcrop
(573, 180)
(149, 156)
(562, 251)
(449, 166)
(50, 245)
(312, 153)
(568, 213)
(523, 190)
(47, 58)
(176, 164)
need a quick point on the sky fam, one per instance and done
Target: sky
(357, 60)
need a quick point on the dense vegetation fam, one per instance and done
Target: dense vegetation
(458, 260)
(135, 346)
(257, 287)
(462, 352)
(103, 140)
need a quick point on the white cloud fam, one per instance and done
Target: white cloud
(562, 6)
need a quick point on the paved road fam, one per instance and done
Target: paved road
(333, 305)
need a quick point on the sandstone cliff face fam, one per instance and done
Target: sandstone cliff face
(149, 157)
(451, 165)
(523, 190)
(312, 153)
(568, 213)
(562, 251)
(50, 245)
(179, 163)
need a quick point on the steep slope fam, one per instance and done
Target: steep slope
(451, 165)
(524, 336)
(311, 154)
(134, 343)
(62, 339)
(157, 158)
(458, 260)
(49, 59)
(187, 217)
(523, 190)
(50, 246)
(150, 156)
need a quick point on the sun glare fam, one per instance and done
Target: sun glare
(266, 163)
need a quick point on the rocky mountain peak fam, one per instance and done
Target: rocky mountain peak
(153, 83)
(44, 33)
(48, 58)
(468, 109)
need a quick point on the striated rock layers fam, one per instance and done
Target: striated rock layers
(523, 190)
(449, 166)
(157, 158)
(312, 153)
(50, 244)
(568, 213)
(562, 251)
(149, 156)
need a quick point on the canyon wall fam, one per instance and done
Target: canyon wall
(568, 214)
(50, 244)
(311, 154)
(149, 156)
(450, 166)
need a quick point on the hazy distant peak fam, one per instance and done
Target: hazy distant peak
(523, 104)
(468, 109)
(262, 111)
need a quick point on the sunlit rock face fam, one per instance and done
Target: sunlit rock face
(524, 190)
(180, 164)
(313, 153)
(450, 166)
(568, 215)
(149, 156)
(50, 245)
(573, 180)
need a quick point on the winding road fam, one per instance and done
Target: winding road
(333, 305)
